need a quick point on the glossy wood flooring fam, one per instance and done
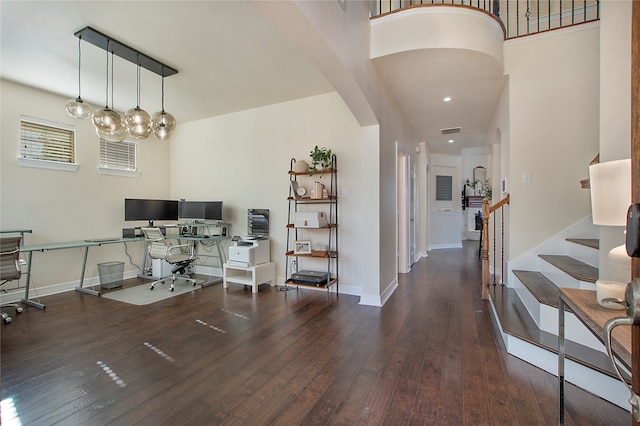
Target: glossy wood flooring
(229, 357)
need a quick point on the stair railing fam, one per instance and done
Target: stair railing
(487, 211)
(518, 17)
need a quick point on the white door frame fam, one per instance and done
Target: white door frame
(403, 210)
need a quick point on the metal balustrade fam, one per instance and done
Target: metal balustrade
(497, 258)
(519, 17)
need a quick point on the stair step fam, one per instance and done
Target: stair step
(541, 287)
(516, 321)
(593, 243)
(573, 267)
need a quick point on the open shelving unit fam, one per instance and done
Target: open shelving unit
(327, 203)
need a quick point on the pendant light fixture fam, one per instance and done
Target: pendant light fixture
(138, 121)
(77, 108)
(120, 133)
(163, 123)
(108, 123)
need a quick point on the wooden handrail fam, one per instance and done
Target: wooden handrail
(486, 212)
(499, 204)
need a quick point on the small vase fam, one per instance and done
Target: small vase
(300, 166)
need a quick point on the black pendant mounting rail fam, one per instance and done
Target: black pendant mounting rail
(120, 49)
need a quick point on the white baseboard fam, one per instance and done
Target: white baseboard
(445, 246)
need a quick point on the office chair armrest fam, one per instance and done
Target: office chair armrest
(170, 249)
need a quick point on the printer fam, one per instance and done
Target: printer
(249, 251)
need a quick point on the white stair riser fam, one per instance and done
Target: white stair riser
(546, 318)
(605, 387)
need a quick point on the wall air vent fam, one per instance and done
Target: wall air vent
(450, 130)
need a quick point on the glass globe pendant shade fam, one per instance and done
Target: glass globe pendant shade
(118, 134)
(138, 123)
(163, 125)
(107, 121)
(77, 108)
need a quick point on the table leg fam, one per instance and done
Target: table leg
(220, 253)
(26, 300)
(80, 287)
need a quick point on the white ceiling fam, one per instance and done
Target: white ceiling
(229, 58)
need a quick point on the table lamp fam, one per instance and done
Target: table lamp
(610, 199)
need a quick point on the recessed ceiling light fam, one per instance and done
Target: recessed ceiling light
(450, 140)
(447, 99)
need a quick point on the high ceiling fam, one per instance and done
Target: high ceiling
(229, 58)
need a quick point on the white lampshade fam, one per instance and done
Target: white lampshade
(610, 192)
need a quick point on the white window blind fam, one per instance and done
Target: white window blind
(46, 142)
(119, 155)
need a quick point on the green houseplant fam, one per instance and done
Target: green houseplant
(484, 188)
(320, 159)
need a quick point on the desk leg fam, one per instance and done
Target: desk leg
(222, 262)
(26, 300)
(220, 253)
(80, 287)
(561, 317)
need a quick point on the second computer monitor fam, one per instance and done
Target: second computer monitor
(200, 210)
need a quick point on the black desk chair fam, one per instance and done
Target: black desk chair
(178, 255)
(9, 270)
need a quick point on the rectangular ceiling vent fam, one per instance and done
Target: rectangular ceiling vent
(450, 130)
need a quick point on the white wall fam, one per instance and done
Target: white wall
(553, 119)
(243, 159)
(337, 41)
(615, 103)
(69, 206)
(499, 144)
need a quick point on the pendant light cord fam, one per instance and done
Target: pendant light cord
(138, 83)
(111, 79)
(79, 62)
(106, 90)
(163, 89)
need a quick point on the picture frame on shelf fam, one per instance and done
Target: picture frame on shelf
(302, 247)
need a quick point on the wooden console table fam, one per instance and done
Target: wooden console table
(585, 307)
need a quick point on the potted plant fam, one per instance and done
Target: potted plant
(484, 188)
(320, 159)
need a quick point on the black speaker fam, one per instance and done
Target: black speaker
(128, 232)
(633, 230)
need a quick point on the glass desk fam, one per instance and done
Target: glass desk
(84, 245)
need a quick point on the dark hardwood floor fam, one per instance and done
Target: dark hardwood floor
(215, 356)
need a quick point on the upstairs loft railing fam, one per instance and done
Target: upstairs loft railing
(489, 212)
(519, 17)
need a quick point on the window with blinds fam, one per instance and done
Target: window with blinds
(444, 188)
(118, 158)
(44, 141)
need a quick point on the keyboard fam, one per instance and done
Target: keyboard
(102, 240)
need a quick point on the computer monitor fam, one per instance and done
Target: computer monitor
(138, 209)
(200, 210)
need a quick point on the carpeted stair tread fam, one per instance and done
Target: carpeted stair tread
(573, 267)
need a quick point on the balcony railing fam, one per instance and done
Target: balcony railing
(519, 17)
